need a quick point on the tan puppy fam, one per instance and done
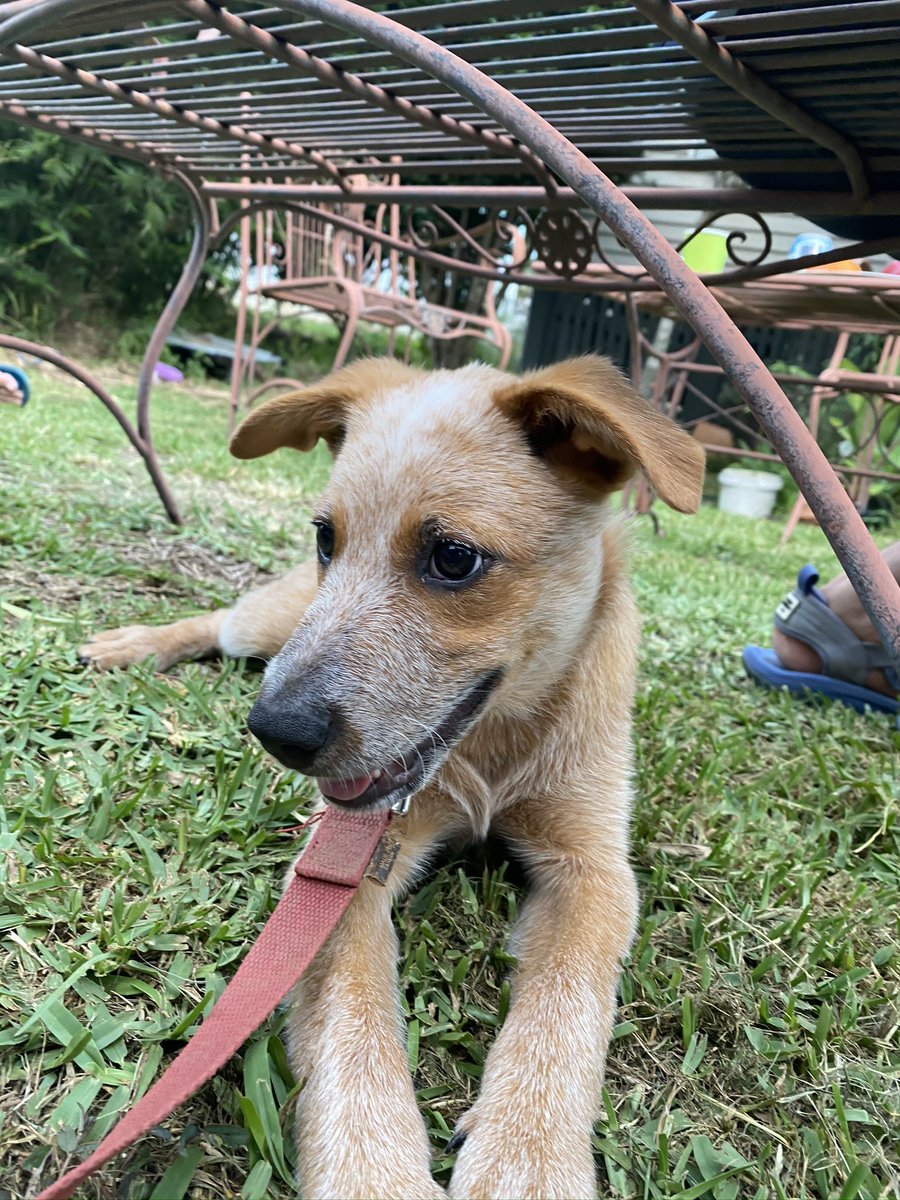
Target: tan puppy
(469, 640)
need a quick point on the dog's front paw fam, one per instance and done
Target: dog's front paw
(362, 1184)
(506, 1156)
(125, 646)
(364, 1158)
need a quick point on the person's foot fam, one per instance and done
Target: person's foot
(10, 390)
(824, 645)
(795, 655)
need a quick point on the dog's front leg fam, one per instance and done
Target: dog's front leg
(359, 1132)
(528, 1136)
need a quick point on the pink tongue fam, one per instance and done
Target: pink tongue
(344, 789)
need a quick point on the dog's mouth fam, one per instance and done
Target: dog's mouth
(409, 771)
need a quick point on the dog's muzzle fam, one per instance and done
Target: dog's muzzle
(297, 728)
(394, 782)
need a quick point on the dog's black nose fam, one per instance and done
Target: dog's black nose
(293, 730)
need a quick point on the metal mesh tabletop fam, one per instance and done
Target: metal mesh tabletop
(781, 94)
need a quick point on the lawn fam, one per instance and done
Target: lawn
(144, 837)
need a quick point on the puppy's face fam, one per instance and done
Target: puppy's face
(460, 557)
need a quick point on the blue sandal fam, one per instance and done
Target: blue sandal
(21, 379)
(846, 661)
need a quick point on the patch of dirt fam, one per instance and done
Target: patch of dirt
(170, 566)
(190, 559)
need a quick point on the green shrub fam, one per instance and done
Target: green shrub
(88, 239)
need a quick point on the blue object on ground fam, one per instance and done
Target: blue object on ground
(765, 668)
(21, 379)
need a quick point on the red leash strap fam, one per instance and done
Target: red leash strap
(325, 881)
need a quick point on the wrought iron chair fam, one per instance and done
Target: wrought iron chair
(332, 262)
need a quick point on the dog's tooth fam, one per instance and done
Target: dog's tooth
(376, 775)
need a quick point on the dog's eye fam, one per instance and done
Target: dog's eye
(324, 541)
(454, 562)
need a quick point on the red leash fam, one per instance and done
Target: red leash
(325, 881)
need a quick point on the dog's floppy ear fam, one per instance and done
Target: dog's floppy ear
(586, 421)
(299, 419)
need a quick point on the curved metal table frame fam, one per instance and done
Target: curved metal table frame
(541, 147)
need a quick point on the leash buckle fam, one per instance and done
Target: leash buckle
(342, 846)
(401, 807)
(382, 862)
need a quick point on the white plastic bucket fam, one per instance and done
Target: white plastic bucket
(748, 493)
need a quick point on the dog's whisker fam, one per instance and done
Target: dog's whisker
(431, 732)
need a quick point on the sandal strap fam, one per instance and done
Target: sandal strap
(804, 614)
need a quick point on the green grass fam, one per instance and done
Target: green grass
(143, 842)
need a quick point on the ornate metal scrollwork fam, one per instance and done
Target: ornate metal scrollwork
(735, 239)
(740, 236)
(569, 248)
(496, 240)
(564, 241)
